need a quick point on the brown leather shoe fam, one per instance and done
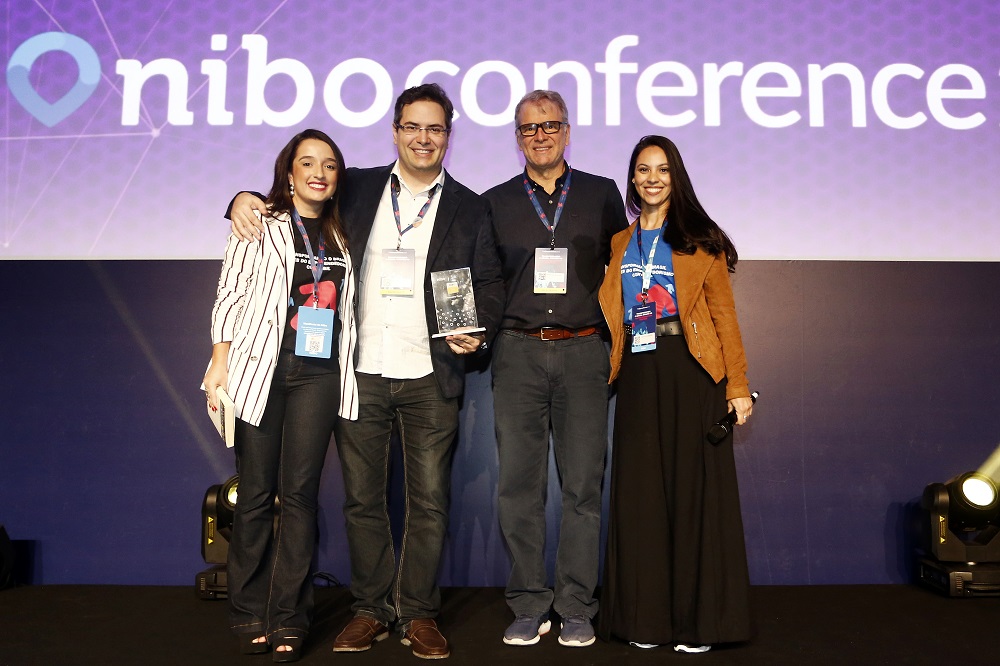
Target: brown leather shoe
(426, 639)
(361, 633)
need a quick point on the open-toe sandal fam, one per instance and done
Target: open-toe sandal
(247, 645)
(285, 656)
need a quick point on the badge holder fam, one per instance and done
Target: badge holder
(550, 270)
(398, 267)
(644, 328)
(314, 339)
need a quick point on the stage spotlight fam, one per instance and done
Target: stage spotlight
(6, 560)
(217, 512)
(962, 552)
(16, 560)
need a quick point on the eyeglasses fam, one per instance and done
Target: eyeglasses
(549, 127)
(433, 130)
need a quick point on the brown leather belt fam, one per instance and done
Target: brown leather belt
(550, 333)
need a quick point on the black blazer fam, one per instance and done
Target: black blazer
(462, 236)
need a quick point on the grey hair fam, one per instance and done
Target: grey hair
(540, 97)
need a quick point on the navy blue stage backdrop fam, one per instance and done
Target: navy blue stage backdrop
(876, 378)
(851, 150)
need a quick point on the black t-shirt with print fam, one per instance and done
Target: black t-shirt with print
(330, 284)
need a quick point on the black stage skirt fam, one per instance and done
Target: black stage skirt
(675, 569)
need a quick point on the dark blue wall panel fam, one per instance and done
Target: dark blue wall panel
(876, 379)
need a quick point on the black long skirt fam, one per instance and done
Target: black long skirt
(675, 567)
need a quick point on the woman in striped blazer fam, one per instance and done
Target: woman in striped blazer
(283, 338)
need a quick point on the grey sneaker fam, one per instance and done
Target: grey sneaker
(576, 631)
(527, 629)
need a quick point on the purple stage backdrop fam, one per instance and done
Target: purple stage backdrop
(844, 129)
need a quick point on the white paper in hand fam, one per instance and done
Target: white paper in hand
(224, 418)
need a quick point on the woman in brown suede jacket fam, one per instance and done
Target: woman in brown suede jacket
(675, 569)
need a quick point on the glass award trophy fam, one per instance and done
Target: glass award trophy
(454, 302)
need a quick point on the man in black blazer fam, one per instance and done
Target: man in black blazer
(405, 377)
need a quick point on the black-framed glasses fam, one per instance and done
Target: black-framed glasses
(411, 129)
(549, 127)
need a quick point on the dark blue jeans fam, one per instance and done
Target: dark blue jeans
(269, 561)
(427, 424)
(562, 386)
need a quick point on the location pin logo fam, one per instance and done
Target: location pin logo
(52, 113)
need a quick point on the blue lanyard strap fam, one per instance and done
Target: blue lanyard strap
(394, 188)
(559, 207)
(315, 265)
(647, 266)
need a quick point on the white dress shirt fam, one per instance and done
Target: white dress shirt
(393, 337)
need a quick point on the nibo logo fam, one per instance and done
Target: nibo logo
(19, 67)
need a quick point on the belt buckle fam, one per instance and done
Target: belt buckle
(557, 333)
(671, 327)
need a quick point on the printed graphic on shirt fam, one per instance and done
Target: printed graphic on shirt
(661, 283)
(666, 304)
(328, 286)
(327, 298)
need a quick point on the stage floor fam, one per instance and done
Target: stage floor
(813, 625)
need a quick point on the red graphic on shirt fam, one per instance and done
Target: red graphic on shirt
(665, 306)
(327, 295)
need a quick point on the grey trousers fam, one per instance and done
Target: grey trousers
(558, 386)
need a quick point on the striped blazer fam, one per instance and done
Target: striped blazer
(251, 307)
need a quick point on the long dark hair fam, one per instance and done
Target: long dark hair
(279, 199)
(687, 226)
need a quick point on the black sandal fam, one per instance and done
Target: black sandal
(247, 645)
(285, 656)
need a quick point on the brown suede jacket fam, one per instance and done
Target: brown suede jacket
(707, 312)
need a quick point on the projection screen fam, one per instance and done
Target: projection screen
(853, 129)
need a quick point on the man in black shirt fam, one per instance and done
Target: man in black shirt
(553, 227)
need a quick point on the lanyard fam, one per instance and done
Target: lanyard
(394, 189)
(559, 206)
(647, 266)
(315, 265)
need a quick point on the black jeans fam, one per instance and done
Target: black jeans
(562, 386)
(269, 560)
(427, 423)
